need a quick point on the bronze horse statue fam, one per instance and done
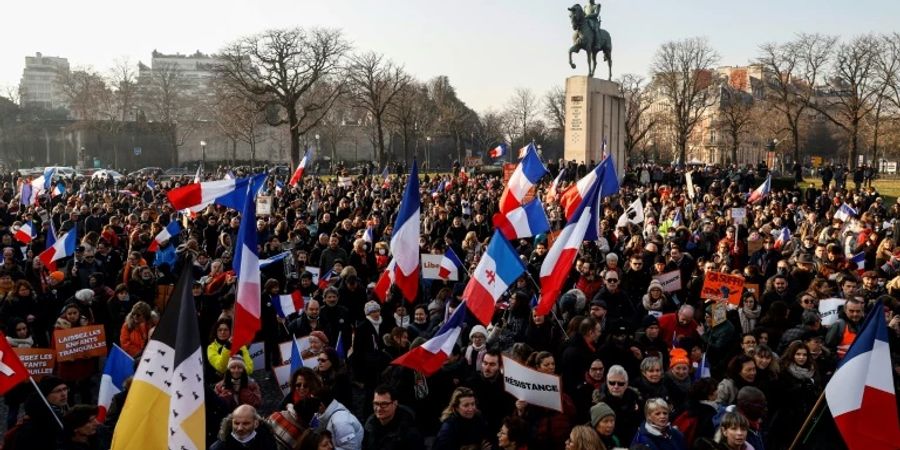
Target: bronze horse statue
(592, 40)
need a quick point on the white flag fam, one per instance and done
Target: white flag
(634, 214)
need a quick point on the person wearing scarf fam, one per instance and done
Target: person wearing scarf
(748, 312)
(654, 301)
(237, 388)
(800, 386)
(477, 347)
(656, 432)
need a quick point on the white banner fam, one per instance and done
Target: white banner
(670, 281)
(263, 205)
(690, 185)
(536, 388)
(345, 181)
(302, 345)
(828, 310)
(258, 355)
(431, 267)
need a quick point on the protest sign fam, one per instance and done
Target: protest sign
(431, 265)
(829, 309)
(753, 288)
(719, 311)
(263, 205)
(315, 274)
(721, 286)
(258, 355)
(739, 214)
(79, 343)
(536, 388)
(39, 361)
(302, 345)
(283, 376)
(670, 281)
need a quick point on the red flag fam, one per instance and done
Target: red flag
(384, 282)
(12, 371)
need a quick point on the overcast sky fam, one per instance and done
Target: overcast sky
(487, 47)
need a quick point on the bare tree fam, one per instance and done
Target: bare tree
(853, 89)
(555, 108)
(490, 130)
(410, 114)
(86, 93)
(453, 116)
(682, 74)
(888, 98)
(522, 109)
(790, 73)
(237, 116)
(374, 85)
(735, 117)
(292, 70)
(164, 98)
(638, 120)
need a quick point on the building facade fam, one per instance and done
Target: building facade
(40, 83)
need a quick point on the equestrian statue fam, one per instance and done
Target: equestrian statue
(589, 36)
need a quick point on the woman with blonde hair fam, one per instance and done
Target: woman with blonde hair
(657, 432)
(136, 329)
(583, 437)
(462, 425)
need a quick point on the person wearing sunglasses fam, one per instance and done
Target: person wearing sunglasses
(615, 297)
(624, 401)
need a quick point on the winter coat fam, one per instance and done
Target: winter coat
(218, 355)
(247, 395)
(670, 439)
(458, 431)
(400, 433)
(264, 440)
(133, 340)
(346, 431)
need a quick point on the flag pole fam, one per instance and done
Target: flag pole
(806, 422)
(41, 394)
(555, 317)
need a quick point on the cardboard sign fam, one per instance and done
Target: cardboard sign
(285, 348)
(258, 355)
(829, 310)
(315, 274)
(79, 343)
(739, 215)
(263, 205)
(720, 286)
(719, 311)
(39, 361)
(431, 267)
(753, 288)
(536, 388)
(670, 281)
(283, 376)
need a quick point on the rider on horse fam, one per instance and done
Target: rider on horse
(592, 15)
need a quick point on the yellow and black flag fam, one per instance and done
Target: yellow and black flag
(165, 408)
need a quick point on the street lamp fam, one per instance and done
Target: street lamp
(428, 152)
(203, 155)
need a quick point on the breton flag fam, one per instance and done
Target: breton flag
(60, 249)
(559, 259)
(526, 175)
(228, 193)
(166, 405)
(784, 236)
(433, 353)
(498, 151)
(634, 214)
(173, 229)
(288, 304)
(498, 269)
(450, 266)
(762, 191)
(405, 239)
(553, 190)
(525, 221)
(845, 213)
(246, 266)
(119, 366)
(861, 393)
(295, 178)
(25, 233)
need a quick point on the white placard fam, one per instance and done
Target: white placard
(258, 355)
(670, 281)
(828, 310)
(431, 268)
(285, 348)
(263, 205)
(315, 273)
(283, 376)
(536, 388)
(739, 214)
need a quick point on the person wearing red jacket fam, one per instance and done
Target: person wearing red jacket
(677, 326)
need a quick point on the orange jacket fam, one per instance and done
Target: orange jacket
(133, 340)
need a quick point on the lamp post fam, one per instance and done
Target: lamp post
(428, 152)
(203, 155)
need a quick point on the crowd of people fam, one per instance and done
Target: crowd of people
(642, 365)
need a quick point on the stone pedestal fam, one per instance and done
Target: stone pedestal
(595, 111)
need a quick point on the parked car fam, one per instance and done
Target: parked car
(147, 172)
(106, 174)
(175, 172)
(67, 173)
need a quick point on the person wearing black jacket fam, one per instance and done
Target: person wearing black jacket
(578, 353)
(392, 426)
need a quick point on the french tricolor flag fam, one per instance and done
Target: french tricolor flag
(526, 175)
(60, 249)
(58, 190)
(171, 230)
(498, 269)
(369, 236)
(431, 355)
(525, 221)
(784, 236)
(119, 367)
(325, 280)
(845, 213)
(288, 304)
(762, 191)
(298, 174)
(386, 177)
(228, 193)
(450, 265)
(553, 190)
(859, 261)
(405, 238)
(246, 264)
(606, 179)
(498, 151)
(26, 233)
(861, 393)
(575, 193)
(558, 263)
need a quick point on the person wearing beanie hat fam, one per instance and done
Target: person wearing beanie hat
(369, 346)
(57, 276)
(655, 301)
(236, 387)
(603, 421)
(477, 347)
(317, 343)
(678, 379)
(371, 307)
(651, 342)
(80, 427)
(42, 430)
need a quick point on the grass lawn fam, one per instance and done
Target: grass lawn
(888, 188)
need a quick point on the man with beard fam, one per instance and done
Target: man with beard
(308, 321)
(778, 291)
(493, 400)
(616, 300)
(635, 279)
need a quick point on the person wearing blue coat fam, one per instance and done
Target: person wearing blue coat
(657, 432)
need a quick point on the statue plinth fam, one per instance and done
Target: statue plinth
(595, 111)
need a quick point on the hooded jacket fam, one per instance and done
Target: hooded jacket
(346, 431)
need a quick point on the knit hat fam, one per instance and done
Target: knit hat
(237, 360)
(48, 384)
(78, 416)
(478, 329)
(678, 356)
(649, 321)
(371, 306)
(654, 284)
(85, 295)
(599, 411)
(320, 336)
(57, 275)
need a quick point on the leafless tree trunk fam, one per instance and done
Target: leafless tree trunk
(555, 108)
(291, 68)
(522, 108)
(374, 85)
(682, 72)
(638, 120)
